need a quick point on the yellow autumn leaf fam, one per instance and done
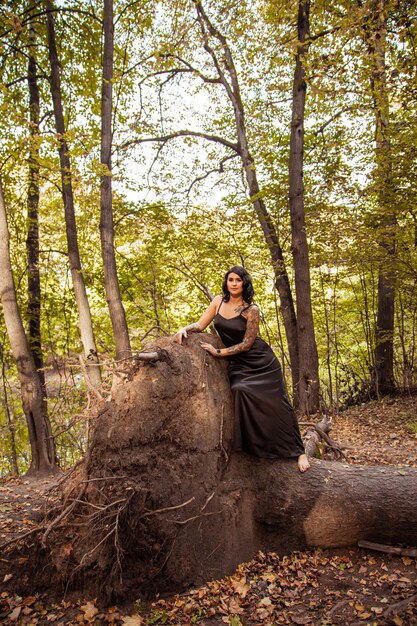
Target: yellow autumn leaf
(365, 615)
(90, 610)
(377, 609)
(240, 587)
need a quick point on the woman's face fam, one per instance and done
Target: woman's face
(235, 284)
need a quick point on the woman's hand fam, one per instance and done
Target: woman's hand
(180, 335)
(183, 332)
(210, 349)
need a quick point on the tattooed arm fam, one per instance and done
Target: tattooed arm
(202, 323)
(252, 326)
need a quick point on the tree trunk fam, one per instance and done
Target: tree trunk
(282, 282)
(163, 502)
(111, 281)
(12, 427)
(42, 448)
(84, 313)
(309, 388)
(376, 32)
(32, 241)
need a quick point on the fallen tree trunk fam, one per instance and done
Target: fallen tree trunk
(162, 501)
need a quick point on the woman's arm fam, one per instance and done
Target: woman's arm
(252, 326)
(207, 317)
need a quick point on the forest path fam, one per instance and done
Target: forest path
(315, 588)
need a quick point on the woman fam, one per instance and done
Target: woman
(265, 420)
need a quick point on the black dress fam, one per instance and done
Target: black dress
(265, 424)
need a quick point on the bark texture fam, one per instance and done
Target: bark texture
(309, 388)
(111, 281)
(84, 313)
(42, 447)
(163, 502)
(32, 241)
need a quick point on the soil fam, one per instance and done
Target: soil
(317, 587)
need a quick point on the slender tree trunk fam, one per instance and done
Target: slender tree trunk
(111, 281)
(32, 241)
(84, 313)
(42, 448)
(309, 388)
(271, 237)
(14, 464)
(376, 32)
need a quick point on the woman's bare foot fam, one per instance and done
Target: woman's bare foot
(303, 463)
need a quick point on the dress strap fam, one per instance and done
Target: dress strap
(221, 302)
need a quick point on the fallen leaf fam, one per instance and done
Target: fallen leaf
(7, 577)
(14, 615)
(241, 587)
(377, 609)
(132, 620)
(301, 619)
(89, 610)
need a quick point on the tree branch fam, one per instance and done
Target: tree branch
(191, 68)
(204, 20)
(219, 170)
(183, 133)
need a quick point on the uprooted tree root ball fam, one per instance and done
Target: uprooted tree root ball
(162, 502)
(159, 450)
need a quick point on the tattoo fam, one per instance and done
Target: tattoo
(252, 326)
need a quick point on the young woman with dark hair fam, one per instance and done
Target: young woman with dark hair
(265, 424)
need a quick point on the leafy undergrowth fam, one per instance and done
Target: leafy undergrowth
(318, 587)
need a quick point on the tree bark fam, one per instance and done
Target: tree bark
(111, 281)
(42, 448)
(271, 237)
(12, 427)
(176, 505)
(375, 33)
(84, 313)
(309, 388)
(32, 241)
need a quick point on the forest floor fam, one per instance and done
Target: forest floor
(316, 588)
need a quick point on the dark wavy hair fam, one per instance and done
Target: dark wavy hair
(248, 291)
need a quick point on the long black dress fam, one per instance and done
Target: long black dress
(265, 424)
